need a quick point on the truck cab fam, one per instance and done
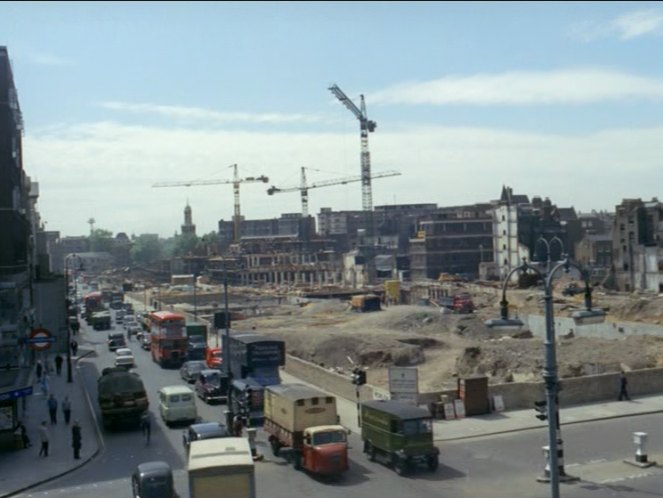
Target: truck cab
(324, 450)
(398, 434)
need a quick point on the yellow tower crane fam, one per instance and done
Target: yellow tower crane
(235, 182)
(304, 187)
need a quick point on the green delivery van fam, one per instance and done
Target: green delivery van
(398, 434)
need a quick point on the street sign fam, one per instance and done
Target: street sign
(40, 339)
(403, 380)
(18, 393)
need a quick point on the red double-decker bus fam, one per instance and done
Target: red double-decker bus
(168, 338)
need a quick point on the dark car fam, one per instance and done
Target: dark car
(196, 348)
(190, 370)
(116, 340)
(212, 385)
(153, 480)
(203, 430)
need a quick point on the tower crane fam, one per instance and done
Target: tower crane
(235, 182)
(365, 126)
(304, 187)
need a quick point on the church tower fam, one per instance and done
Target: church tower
(188, 227)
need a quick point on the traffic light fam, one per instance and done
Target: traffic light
(541, 408)
(358, 377)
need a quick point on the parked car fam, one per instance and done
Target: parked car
(190, 370)
(214, 358)
(153, 479)
(212, 385)
(124, 358)
(203, 430)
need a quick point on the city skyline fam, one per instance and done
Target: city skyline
(553, 100)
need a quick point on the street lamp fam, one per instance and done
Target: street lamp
(583, 317)
(67, 269)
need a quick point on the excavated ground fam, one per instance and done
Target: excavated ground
(447, 346)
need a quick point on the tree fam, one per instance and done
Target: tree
(101, 240)
(146, 249)
(185, 244)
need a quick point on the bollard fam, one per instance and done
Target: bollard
(251, 434)
(640, 440)
(563, 476)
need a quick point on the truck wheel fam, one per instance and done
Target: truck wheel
(401, 466)
(369, 450)
(276, 446)
(433, 463)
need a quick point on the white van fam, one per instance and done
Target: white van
(177, 404)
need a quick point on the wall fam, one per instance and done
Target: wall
(606, 330)
(603, 387)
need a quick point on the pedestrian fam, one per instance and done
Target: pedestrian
(66, 409)
(58, 364)
(40, 370)
(43, 436)
(76, 439)
(237, 426)
(74, 347)
(146, 426)
(23, 434)
(53, 409)
(623, 394)
(44, 384)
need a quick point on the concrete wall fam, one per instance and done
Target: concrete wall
(606, 330)
(603, 387)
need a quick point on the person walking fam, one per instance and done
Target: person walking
(623, 394)
(44, 384)
(58, 364)
(23, 434)
(66, 409)
(53, 409)
(76, 439)
(43, 436)
(39, 370)
(74, 347)
(146, 426)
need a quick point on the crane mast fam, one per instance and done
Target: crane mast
(365, 126)
(235, 182)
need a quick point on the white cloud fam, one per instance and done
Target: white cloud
(566, 86)
(105, 171)
(208, 116)
(625, 27)
(44, 59)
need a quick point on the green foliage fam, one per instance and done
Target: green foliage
(146, 249)
(185, 244)
(101, 240)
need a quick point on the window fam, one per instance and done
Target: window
(175, 398)
(315, 401)
(186, 397)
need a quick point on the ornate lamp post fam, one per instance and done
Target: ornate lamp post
(584, 317)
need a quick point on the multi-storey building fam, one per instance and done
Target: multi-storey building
(637, 244)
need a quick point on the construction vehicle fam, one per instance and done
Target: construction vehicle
(304, 187)
(305, 421)
(398, 434)
(121, 396)
(365, 302)
(235, 182)
(221, 467)
(460, 303)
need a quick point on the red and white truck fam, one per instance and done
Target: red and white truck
(305, 420)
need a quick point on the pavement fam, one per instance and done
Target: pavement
(16, 476)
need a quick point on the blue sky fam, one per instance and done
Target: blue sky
(560, 100)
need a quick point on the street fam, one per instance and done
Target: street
(487, 466)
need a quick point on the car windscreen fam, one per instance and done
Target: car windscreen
(155, 487)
